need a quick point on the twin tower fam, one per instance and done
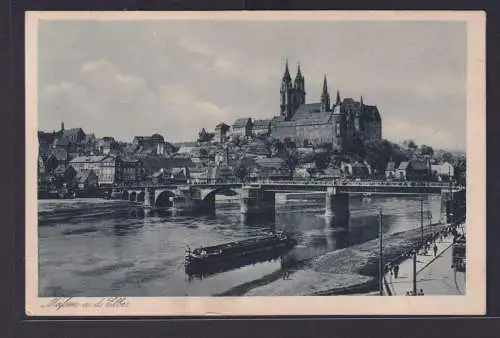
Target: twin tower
(293, 95)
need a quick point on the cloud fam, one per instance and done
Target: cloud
(122, 105)
(139, 77)
(399, 130)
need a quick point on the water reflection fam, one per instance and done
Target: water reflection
(256, 220)
(124, 242)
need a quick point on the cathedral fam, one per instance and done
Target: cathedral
(339, 123)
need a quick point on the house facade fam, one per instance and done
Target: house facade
(443, 171)
(107, 168)
(261, 127)
(86, 179)
(413, 170)
(106, 145)
(221, 131)
(154, 144)
(390, 170)
(132, 170)
(57, 161)
(242, 127)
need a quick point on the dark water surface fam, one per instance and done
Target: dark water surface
(100, 248)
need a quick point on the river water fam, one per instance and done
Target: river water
(94, 248)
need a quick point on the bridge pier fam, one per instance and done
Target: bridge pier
(148, 198)
(204, 206)
(255, 200)
(336, 205)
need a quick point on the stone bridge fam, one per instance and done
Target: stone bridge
(259, 198)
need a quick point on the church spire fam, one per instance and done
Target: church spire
(62, 126)
(325, 97)
(361, 100)
(337, 100)
(300, 87)
(287, 76)
(299, 74)
(325, 86)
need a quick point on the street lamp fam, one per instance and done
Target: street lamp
(422, 219)
(414, 272)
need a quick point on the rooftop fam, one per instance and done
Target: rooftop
(242, 122)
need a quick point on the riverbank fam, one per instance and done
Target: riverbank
(81, 208)
(352, 270)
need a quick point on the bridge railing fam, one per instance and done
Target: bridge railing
(338, 183)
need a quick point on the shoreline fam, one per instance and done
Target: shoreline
(331, 274)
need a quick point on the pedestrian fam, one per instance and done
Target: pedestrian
(421, 293)
(435, 248)
(396, 271)
(408, 293)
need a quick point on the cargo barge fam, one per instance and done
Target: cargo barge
(219, 254)
(200, 271)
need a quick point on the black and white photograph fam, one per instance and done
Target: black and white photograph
(297, 157)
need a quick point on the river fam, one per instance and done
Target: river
(95, 248)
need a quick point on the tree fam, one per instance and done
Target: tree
(203, 136)
(412, 145)
(426, 150)
(240, 170)
(321, 160)
(292, 160)
(447, 157)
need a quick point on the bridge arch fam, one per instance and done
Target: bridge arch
(140, 196)
(125, 195)
(226, 191)
(164, 199)
(133, 196)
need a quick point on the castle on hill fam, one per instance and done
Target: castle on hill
(340, 123)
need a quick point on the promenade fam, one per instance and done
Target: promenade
(434, 273)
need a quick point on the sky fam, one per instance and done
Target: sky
(174, 77)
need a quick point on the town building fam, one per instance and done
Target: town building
(107, 168)
(323, 122)
(75, 135)
(154, 165)
(86, 179)
(261, 127)
(152, 145)
(132, 170)
(221, 131)
(57, 161)
(390, 170)
(413, 170)
(242, 127)
(274, 168)
(443, 171)
(106, 145)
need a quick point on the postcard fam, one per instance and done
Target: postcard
(255, 163)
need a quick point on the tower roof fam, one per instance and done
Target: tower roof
(286, 75)
(325, 86)
(337, 100)
(299, 73)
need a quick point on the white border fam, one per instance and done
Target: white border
(473, 303)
